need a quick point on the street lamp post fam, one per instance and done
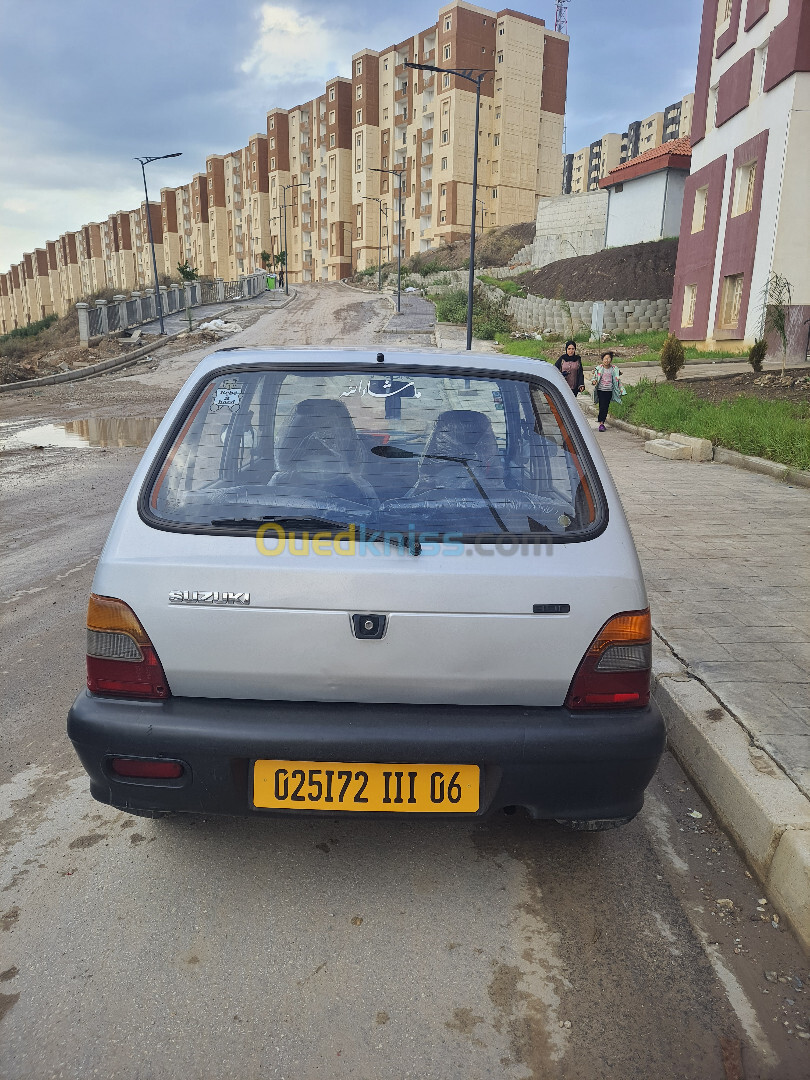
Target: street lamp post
(383, 209)
(399, 174)
(285, 188)
(144, 162)
(473, 75)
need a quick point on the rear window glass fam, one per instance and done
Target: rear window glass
(396, 451)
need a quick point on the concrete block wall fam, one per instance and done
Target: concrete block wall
(567, 225)
(538, 313)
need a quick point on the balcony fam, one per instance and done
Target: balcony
(400, 69)
(427, 185)
(428, 56)
(426, 210)
(427, 134)
(400, 119)
(427, 159)
(401, 95)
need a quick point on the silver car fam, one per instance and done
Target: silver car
(348, 582)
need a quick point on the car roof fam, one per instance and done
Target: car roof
(484, 362)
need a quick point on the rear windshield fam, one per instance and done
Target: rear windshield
(400, 452)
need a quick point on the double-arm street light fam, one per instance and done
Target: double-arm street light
(144, 162)
(383, 210)
(285, 188)
(473, 75)
(398, 173)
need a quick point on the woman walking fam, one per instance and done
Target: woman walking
(607, 386)
(570, 364)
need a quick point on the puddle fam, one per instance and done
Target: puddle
(80, 434)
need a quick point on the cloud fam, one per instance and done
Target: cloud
(291, 46)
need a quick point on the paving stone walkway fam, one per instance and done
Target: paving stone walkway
(417, 316)
(726, 558)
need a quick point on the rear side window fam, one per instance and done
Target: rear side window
(422, 453)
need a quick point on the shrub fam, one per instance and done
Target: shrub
(757, 353)
(490, 317)
(672, 357)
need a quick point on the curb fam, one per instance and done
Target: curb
(784, 473)
(758, 805)
(113, 364)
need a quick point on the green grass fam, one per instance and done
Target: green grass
(510, 288)
(31, 330)
(777, 430)
(538, 350)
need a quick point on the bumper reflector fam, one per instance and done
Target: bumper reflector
(149, 768)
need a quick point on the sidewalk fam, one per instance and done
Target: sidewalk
(726, 558)
(177, 321)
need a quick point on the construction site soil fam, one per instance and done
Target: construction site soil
(634, 272)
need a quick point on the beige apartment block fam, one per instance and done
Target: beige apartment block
(91, 260)
(54, 285)
(43, 301)
(67, 259)
(169, 226)
(7, 316)
(652, 132)
(19, 308)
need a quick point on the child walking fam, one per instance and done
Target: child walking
(607, 386)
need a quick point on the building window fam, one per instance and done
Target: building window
(445, 81)
(724, 12)
(447, 52)
(501, 31)
(358, 165)
(500, 57)
(730, 301)
(253, 167)
(359, 92)
(448, 23)
(689, 297)
(445, 136)
(359, 116)
(210, 183)
(331, 93)
(497, 140)
(494, 193)
(272, 163)
(272, 143)
(255, 186)
(759, 68)
(699, 211)
(744, 183)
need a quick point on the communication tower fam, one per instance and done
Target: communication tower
(561, 17)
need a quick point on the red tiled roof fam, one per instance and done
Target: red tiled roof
(675, 154)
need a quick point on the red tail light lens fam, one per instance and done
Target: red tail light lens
(121, 660)
(615, 671)
(148, 768)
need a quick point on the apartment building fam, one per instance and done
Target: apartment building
(314, 182)
(583, 170)
(330, 154)
(746, 214)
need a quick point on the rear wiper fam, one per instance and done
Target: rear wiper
(397, 539)
(386, 450)
(287, 521)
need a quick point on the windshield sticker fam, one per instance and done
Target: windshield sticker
(383, 388)
(228, 396)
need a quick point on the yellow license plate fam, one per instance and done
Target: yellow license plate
(355, 785)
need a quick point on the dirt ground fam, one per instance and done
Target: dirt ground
(794, 386)
(634, 272)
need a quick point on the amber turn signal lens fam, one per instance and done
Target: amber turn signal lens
(108, 615)
(615, 671)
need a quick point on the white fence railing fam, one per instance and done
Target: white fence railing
(110, 316)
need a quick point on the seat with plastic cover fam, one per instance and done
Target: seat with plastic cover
(319, 453)
(461, 440)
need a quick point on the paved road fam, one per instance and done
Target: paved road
(385, 949)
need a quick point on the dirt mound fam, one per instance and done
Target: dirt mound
(771, 386)
(635, 272)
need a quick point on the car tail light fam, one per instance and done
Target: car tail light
(615, 671)
(121, 660)
(147, 768)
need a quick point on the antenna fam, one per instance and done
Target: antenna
(561, 17)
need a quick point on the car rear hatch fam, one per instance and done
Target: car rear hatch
(481, 550)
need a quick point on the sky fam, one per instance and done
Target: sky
(87, 85)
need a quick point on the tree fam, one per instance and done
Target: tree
(186, 272)
(776, 308)
(672, 357)
(267, 259)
